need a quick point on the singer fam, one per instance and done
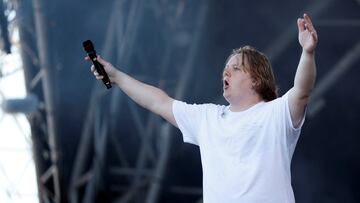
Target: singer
(246, 147)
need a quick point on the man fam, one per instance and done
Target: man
(246, 147)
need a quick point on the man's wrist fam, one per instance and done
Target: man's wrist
(117, 76)
(308, 53)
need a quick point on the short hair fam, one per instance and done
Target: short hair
(260, 70)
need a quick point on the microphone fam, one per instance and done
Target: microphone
(89, 48)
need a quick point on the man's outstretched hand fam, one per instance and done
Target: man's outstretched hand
(307, 34)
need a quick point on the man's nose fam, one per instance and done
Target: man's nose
(226, 73)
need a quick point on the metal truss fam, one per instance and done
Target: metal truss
(4, 29)
(275, 49)
(43, 122)
(331, 78)
(345, 63)
(143, 182)
(279, 45)
(48, 78)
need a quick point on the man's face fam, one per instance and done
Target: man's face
(237, 82)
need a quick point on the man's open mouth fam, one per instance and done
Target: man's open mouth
(226, 84)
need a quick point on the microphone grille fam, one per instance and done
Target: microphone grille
(88, 46)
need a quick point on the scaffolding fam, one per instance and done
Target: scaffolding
(147, 175)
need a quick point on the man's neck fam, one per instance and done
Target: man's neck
(244, 104)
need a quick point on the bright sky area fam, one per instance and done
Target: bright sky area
(17, 170)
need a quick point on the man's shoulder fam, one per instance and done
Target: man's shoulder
(200, 105)
(277, 101)
(205, 108)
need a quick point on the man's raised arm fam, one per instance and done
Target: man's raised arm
(306, 72)
(147, 96)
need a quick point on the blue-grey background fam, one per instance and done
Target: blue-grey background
(184, 44)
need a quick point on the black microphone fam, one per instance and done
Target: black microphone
(89, 48)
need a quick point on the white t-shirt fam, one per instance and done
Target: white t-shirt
(246, 155)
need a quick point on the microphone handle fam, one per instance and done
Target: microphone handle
(100, 69)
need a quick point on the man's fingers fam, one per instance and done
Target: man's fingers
(102, 61)
(99, 77)
(309, 27)
(94, 71)
(308, 23)
(87, 58)
(307, 18)
(300, 24)
(314, 35)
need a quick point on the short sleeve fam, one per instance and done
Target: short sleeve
(188, 118)
(282, 112)
(290, 125)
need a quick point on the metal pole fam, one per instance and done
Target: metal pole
(156, 184)
(330, 79)
(86, 140)
(48, 89)
(4, 29)
(25, 21)
(276, 48)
